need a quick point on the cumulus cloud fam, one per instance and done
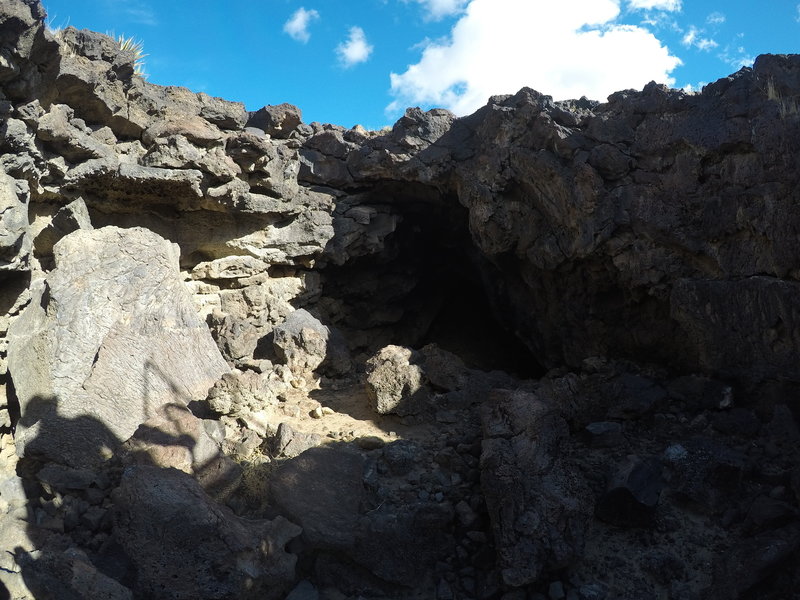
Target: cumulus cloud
(693, 38)
(355, 49)
(297, 25)
(668, 5)
(737, 56)
(566, 49)
(438, 9)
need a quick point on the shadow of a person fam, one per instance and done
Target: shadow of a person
(65, 457)
(78, 442)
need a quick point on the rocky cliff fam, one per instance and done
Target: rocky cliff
(546, 350)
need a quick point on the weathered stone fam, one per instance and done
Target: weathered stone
(71, 573)
(632, 493)
(706, 473)
(291, 443)
(604, 434)
(321, 490)
(396, 383)
(304, 590)
(229, 267)
(305, 344)
(538, 506)
(185, 546)
(238, 392)
(63, 479)
(15, 244)
(116, 301)
(753, 561)
(278, 121)
(175, 438)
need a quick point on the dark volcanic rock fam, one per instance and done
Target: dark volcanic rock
(538, 506)
(206, 553)
(632, 494)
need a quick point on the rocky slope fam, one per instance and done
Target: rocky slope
(549, 350)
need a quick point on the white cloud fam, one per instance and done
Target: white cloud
(356, 49)
(668, 5)
(438, 9)
(706, 44)
(566, 49)
(737, 56)
(693, 89)
(715, 18)
(797, 16)
(297, 25)
(693, 38)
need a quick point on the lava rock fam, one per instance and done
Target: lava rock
(135, 343)
(395, 382)
(538, 509)
(632, 493)
(185, 546)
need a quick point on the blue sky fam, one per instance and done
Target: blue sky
(364, 61)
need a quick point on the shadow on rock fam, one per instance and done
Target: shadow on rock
(139, 525)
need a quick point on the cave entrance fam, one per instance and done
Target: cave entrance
(427, 284)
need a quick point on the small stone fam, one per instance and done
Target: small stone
(447, 416)
(92, 519)
(675, 453)
(593, 591)
(439, 496)
(556, 591)
(468, 583)
(327, 410)
(444, 591)
(604, 434)
(304, 590)
(316, 413)
(423, 495)
(466, 515)
(370, 442)
(727, 398)
(777, 492)
(632, 493)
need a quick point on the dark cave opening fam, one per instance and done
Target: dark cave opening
(427, 285)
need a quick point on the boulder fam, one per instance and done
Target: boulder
(110, 337)
(321, 490)
(632, 493)
(187, 547)
(538, 504)
(396, 382)
(291, 443)
(15, 243)
(279, 121)
(175, 438)
(239, 392)
(305, 344)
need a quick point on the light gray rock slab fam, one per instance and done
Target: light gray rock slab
(110, 336)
